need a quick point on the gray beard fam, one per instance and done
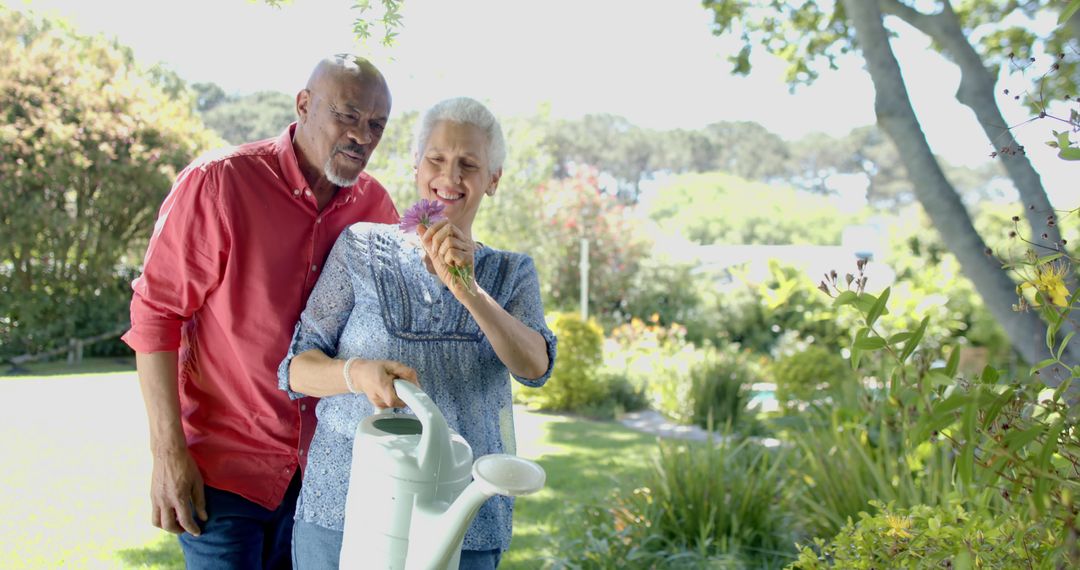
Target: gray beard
(328, 171)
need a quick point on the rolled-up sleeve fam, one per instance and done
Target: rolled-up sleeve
(327, 311)
(527, 306)
(184, 262)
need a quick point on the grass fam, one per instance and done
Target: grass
(89, 366)
(584, 460)
(75, 477)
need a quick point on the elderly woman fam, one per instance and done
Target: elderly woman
(389, 306)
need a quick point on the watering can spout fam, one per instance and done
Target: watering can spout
(438, 529)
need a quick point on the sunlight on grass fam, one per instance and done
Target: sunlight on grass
(585, 460)
(75, 494)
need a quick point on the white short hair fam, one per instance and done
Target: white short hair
(467, 111)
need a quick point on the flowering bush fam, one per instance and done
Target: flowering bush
(942, 536)
(1013, 436)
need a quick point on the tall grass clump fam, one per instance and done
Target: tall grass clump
(714, 505)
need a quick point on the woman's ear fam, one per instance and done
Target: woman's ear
(494, 183)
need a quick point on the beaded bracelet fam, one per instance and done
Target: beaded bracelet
(345, 372)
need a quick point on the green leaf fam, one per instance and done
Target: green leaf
(1042, 484)
(899, 337)
(1020, 438)
(845, 298)
(910, 345)
(995, 408)
(966, 462)
(962, 560)
(941, 415)
(1064, 343)
(989, 375)
(869, 343)
(1069, 11)
(878, 309)
(1042, 364)
(954, 362)
(1048, 258)
(1063, 387)
(865, 303)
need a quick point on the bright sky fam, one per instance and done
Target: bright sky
(652, 61)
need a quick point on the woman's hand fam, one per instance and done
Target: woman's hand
(375, 378)
(447, 249)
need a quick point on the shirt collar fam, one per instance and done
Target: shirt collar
(290, 166)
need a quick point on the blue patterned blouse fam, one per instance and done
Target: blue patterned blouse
(376, 300)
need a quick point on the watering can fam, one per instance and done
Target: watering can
(410, 498)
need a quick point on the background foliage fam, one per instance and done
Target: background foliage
(90, 145)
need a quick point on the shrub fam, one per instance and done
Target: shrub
(803, 376)
(702, 506)
(1015, 437)
(840, 469)
(945, 536)
(711, 389)
(575, 382)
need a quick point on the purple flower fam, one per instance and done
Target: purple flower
(424, 212)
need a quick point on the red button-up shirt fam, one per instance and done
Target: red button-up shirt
(238, 245)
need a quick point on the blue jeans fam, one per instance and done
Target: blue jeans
(318, 548)
(240, 534)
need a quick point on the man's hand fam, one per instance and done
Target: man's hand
(376, 379)
(176, 493)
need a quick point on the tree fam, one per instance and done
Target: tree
(90, 145)
(868, 151)
(808, 32)
(747, 149)
(247, 118)
(609, 143)
(718, 208)
(575, 208)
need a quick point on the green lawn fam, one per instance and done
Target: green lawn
(76, 475)
(584, 461)
(89, 366)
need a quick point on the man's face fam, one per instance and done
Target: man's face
(343, 120)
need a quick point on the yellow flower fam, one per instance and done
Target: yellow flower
(1050, 281)
(898, 526)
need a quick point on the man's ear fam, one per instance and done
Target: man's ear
(494, 183)
(303, 104)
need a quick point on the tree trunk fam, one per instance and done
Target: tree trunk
(976, 91)
(892, 106)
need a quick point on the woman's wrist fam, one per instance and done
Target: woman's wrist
(346, 373)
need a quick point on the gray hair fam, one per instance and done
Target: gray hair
(467, 111)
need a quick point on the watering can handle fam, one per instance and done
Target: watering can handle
(435, 439)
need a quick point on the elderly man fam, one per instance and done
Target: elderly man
(238, 245)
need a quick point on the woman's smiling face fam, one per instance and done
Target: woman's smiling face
(454, 170)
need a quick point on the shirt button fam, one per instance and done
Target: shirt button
(303, 407)
(314, 267)
(318, 220)
(301, 452)
(307, 193)
(296, 192)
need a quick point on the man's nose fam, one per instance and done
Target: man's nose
(360, 134)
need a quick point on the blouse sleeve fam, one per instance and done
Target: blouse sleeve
(526, 306)
(328, 308)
